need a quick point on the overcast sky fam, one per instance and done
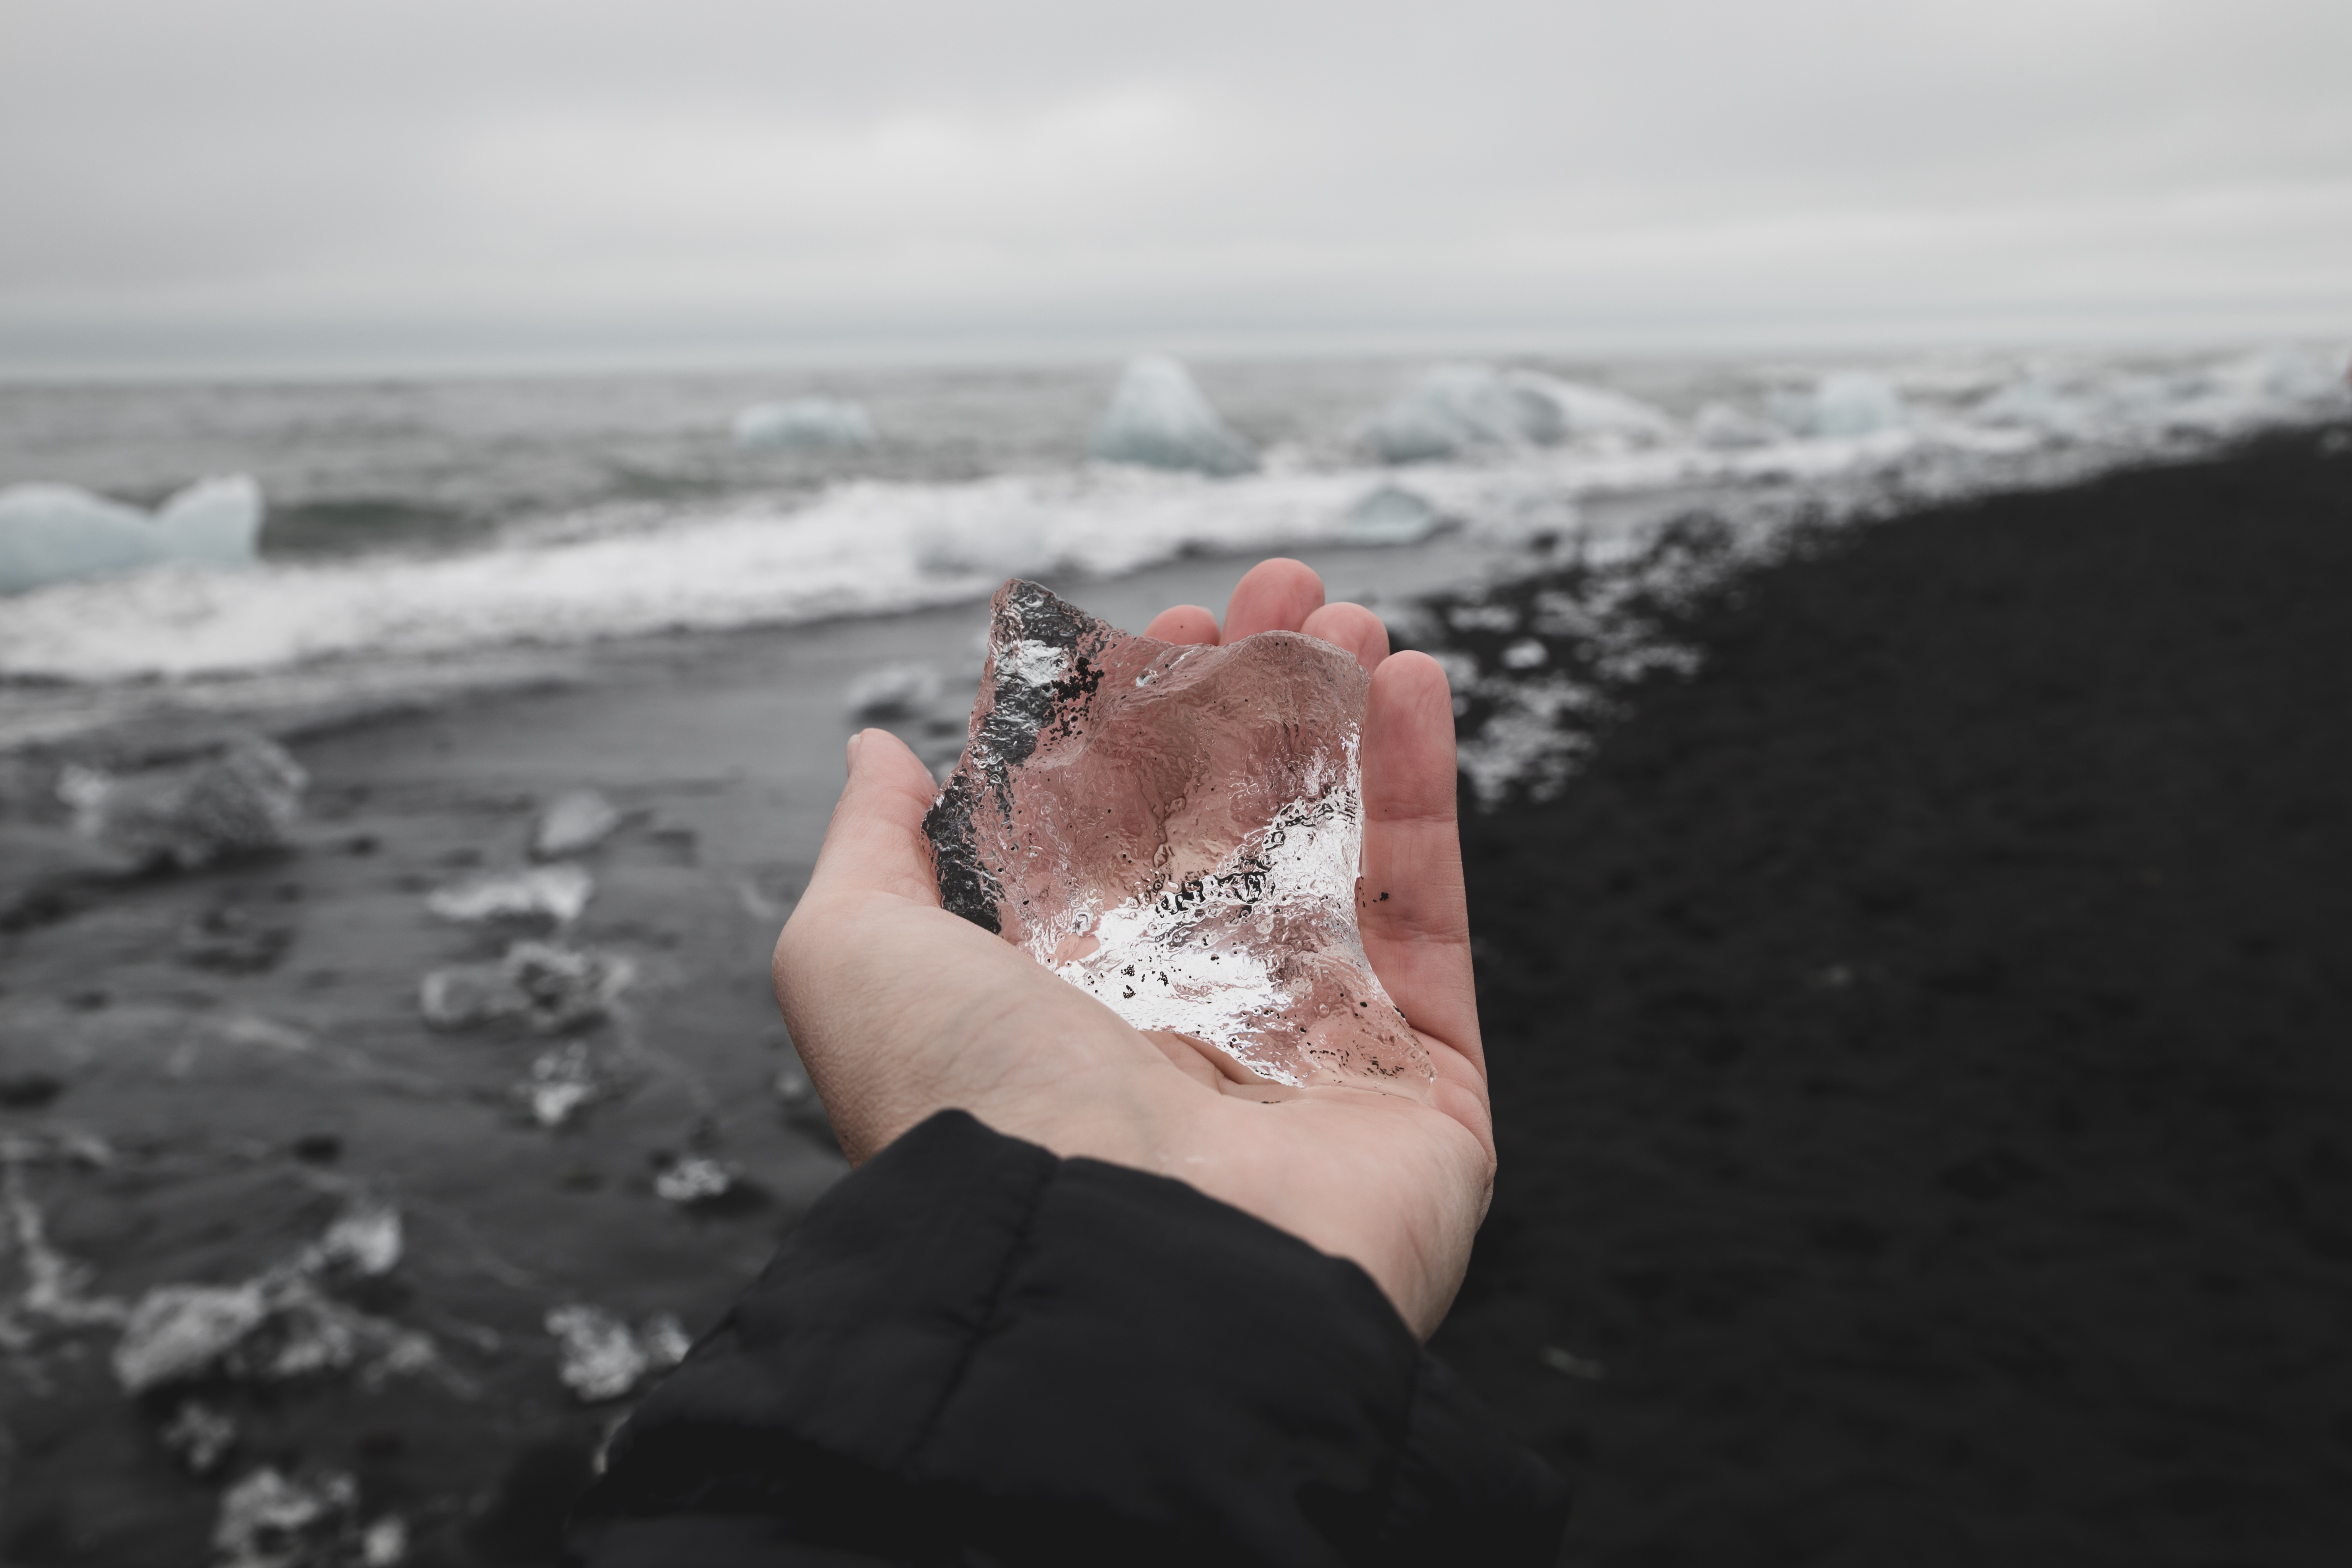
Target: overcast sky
(349, 185)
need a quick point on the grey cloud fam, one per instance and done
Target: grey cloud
(322, 181)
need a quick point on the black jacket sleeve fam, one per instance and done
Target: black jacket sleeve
(972, 1352)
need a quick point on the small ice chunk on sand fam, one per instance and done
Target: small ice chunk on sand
(548, 986)
(465, 994)
(561, 1082)
(279, 1325)
(1157, 418)
(384, 1543)
(696, 1179)
(556, 893)
(602, 1358)
(898, 690)
(178, 1332)
(245, 801)
(364, 1241)
(563, 986)
(270, 1519)
(573, 823)
(1177, 831)
(805, 424)
(664, 1339)
(54, 533)
(1389, 514)
(199, 1437)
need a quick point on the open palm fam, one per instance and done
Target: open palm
(900, 1009)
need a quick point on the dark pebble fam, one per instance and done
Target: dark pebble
(523, 1522)
(30, 1090)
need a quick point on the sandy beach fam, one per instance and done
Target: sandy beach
(1919, 1045)
(1920, 1050)
(200, 1070)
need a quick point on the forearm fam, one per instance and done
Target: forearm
(972, 1343)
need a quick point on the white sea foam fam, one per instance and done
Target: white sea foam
(872, 546)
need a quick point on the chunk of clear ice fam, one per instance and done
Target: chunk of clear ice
(1178, 831)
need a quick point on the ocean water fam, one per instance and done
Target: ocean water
(432, 520)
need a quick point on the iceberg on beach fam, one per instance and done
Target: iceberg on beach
(52, 534)
(1462, 408)
(1595, 412)
(1388, 515)
(1156, 418)
(805, 424)
(1843, 404)
(1725, 427)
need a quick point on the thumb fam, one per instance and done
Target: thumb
(874, 842)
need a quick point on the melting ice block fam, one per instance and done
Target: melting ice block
(1157, 417)
(1843, 404)
(805, 424)
(1177, 832)
(52, 534)
(1458, 409)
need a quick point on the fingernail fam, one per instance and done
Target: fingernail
(855, 741)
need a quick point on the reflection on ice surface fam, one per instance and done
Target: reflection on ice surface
(1177, 832)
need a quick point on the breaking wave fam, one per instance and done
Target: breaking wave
(869, 546)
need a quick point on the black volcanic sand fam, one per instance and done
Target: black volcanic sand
(1922, 1045)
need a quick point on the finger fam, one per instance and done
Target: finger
(1353, 627)
(1183, 624)
(1274, 596)
(874, 842)
(1414, 918)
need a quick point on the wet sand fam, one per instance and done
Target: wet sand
(1920, 1067)
(241, 1109)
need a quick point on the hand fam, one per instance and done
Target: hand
(900, 1009)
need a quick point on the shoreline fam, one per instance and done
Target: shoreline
(153, 720)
